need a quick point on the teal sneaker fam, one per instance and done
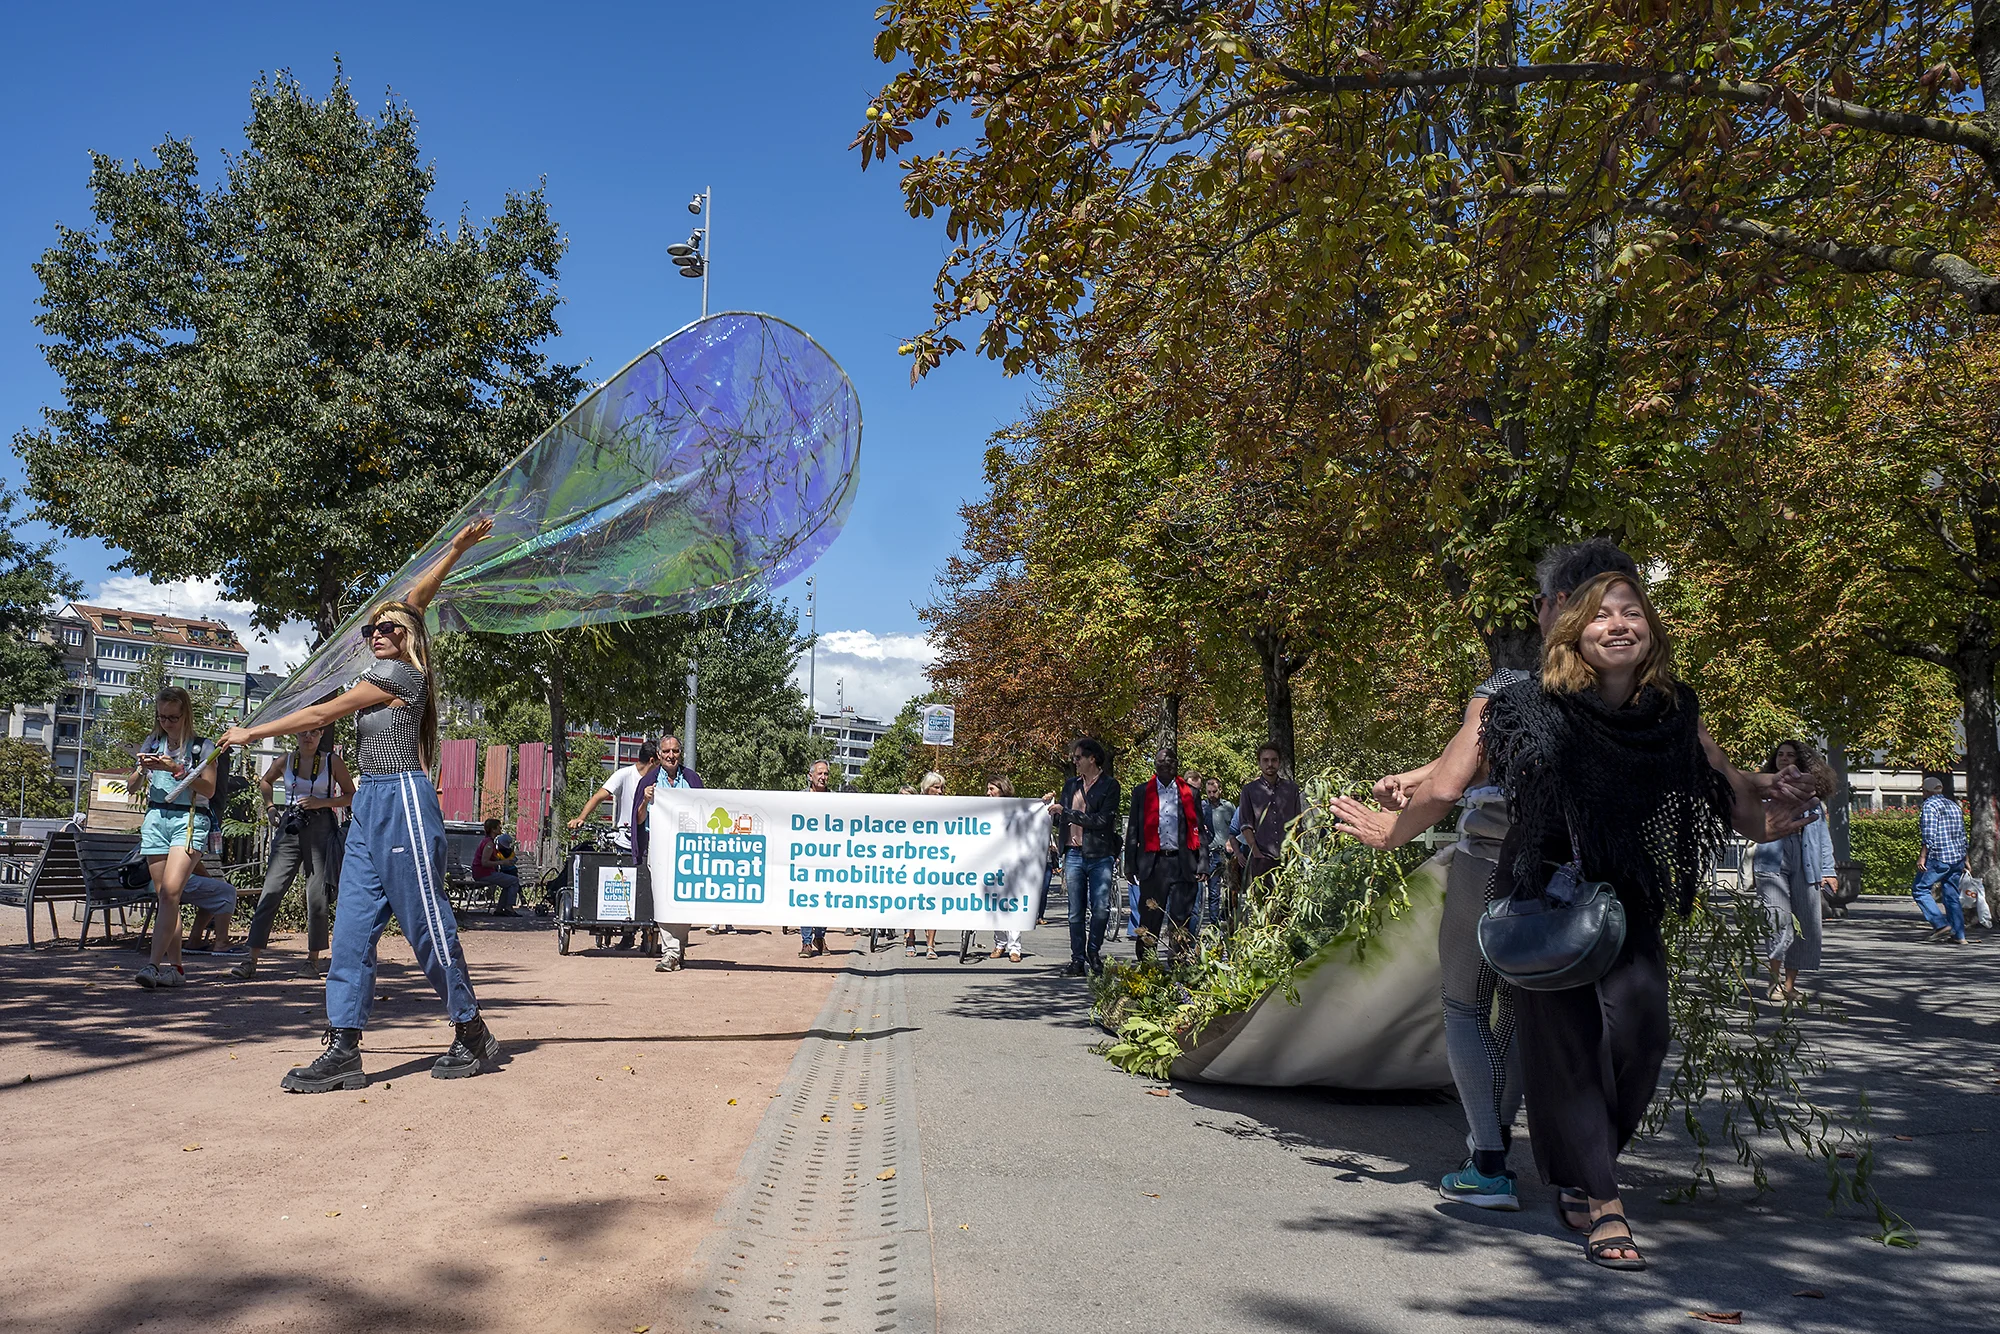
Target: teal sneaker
(1468, 1185)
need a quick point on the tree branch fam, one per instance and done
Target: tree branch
(1951, 271)
(1955, 133)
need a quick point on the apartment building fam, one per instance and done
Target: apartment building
(102, 650)
(853, 736)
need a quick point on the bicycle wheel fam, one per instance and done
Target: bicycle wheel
(965, 940)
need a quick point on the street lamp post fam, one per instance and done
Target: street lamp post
(692, 256)
(812, 639)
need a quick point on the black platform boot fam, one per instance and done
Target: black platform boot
(338, 1067)
(473, 1049)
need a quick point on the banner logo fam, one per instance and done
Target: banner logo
(721, 867)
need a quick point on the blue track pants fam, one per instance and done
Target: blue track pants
(394, 864)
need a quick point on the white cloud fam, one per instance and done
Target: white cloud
(873, 674)
(280, 650)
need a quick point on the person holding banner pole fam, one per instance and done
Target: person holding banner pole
(812, 939)
(395, 841)
(669, 772)
(1005, 942)
(931, 785)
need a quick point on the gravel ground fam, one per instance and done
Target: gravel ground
(154, 1176)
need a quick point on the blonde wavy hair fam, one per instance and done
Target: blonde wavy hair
(1564, 670)
(417, 652)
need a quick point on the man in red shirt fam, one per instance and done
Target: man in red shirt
(1163, 853)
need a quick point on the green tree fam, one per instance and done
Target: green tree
(288, 382)
(28, 783)
(30, 582)
(899, 758)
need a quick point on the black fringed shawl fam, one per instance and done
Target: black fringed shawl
(1647, 810)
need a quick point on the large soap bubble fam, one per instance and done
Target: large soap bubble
(716, 466)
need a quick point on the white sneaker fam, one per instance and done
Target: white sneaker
(166, 977)
(148, 976)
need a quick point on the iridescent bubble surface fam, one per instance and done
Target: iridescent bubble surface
(716, 466)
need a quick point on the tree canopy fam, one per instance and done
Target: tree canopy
(288, 381)
(31, 583)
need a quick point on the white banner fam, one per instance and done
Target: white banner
(846, 859)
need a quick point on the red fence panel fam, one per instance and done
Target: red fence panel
(455, 775)
(534, 793)
(493, 786)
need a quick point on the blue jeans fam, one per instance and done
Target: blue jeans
(1935, 884)
(812, 936)
(1088, 883)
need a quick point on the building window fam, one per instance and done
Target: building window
(107, 677)
(72, 636)
(140, 627)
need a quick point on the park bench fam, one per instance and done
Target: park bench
(79, 866)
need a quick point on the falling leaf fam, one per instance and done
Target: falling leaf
(860, 1106)
(1808, 1292)
(885, 1175)
(333, 1213)
(1906, 1138)
(1161, 1093)
(1719, 1317)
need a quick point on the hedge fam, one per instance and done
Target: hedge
(1887, 845)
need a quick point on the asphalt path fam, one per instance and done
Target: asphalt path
(1067, 1196)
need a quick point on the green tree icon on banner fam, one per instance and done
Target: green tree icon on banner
(720, 821)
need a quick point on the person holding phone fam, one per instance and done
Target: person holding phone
(317, 787)
(175, 830)
(394, 859)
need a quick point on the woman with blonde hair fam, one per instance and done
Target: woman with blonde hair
(394, 860)
(930, 785)
(1606, 779)
(317, 788)
(174, 834)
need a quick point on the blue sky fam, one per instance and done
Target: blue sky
(625, 110)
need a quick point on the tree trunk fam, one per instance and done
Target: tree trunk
(1974, 661)
(1168, 735)
(1841, 803)
(1280, 665)
(558, 741)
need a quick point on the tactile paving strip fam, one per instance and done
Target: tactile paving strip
(829, 1230)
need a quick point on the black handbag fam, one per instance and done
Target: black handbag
(1569, 936)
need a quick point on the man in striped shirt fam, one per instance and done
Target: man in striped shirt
(1942, 827)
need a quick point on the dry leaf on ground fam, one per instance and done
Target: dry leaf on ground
(333, 1213)
(732, 1102)
(860, 1106)
(1719, 1317)
(1906, 1138)
(885, 1175)
(1161, 1093)
(189, 1148)
(660, 1176)
(1152, 1194)
(1808, 1292)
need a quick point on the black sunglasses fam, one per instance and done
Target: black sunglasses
(370, 630)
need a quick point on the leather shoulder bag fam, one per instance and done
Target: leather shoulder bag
(1568, 936)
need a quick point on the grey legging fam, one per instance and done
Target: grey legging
(1478, 1035)
(315, 848)
(1798, 946)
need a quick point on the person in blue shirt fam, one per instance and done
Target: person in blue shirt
(1935, 889)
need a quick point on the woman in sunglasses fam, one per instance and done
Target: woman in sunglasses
(394, 860)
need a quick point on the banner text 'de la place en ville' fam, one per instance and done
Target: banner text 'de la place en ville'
(846, 859)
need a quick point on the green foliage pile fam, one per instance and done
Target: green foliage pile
(1888, 845)
(1325, 893)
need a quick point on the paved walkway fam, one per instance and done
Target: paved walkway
(1058, 1194)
